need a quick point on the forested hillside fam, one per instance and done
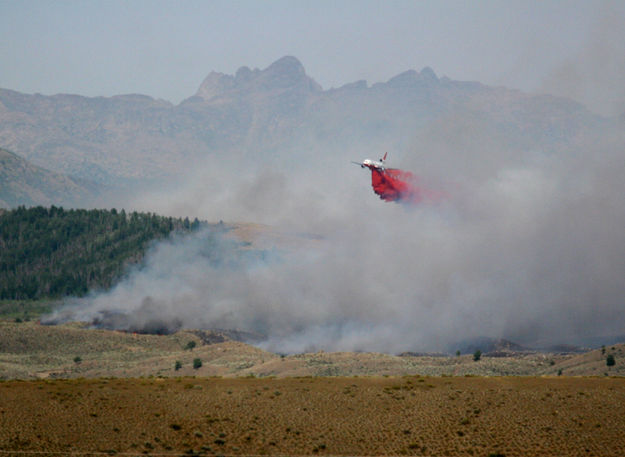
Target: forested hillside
(53, 252)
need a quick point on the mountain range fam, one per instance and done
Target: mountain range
(135, 138)
(22, 183)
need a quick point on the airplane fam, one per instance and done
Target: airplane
(393, 184)
(371, 164)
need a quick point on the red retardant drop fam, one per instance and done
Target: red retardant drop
(395, 185)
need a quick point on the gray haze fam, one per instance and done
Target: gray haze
(594, 73)
(164, 48)
(528, 247)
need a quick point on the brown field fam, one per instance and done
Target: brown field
(410, 415)
(125, 397)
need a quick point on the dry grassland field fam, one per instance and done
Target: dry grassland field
(409, 415)
(72, 390)
(32, 351)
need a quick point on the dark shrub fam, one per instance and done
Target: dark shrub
(609, 360)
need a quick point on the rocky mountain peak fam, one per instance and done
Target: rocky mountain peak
(244, 75)
(286, 65)
(412, 77)
(285, 73)
(427, 74)
(407, 78)
(215, 84)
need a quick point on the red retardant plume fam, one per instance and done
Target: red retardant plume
(394, 185)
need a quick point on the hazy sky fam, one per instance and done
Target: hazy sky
(164, 49)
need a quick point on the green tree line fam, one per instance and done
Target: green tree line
(54, 252)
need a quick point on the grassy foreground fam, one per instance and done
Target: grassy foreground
(410, 415)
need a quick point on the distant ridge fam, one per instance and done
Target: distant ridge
(22, 183)
(280, 108)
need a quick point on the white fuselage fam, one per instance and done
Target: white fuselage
(372, 163)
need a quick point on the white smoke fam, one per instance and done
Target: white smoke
(533, 250)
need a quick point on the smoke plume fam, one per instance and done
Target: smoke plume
(531, 249)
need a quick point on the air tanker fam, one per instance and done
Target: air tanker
(395, 185)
